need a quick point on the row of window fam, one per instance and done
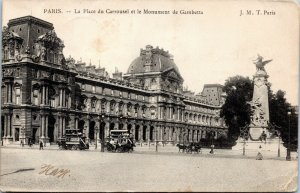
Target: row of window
(116, 93)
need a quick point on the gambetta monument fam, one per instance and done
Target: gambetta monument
(260, 103)
(260, 133)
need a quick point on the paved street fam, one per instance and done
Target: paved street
(141, 171)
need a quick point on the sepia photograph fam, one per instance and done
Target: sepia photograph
(149, 96)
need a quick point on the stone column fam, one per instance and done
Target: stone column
(47, 97)
(63, 97)
(42, 127)
(133, 130)
(12, 130)
(141, 132)
(124, 109)
(46, 126)
(108, 107)
(148, 133)
(195, 135)
(106, 129)
(60, 97)
(177, 134)
(97, 133)
(59, 127)
(161, 133)
(76, 123)
(170, 133)
(5, 126)
(87, 128)
(159, 112)
(9, 92)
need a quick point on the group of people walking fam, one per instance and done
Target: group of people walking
(41, 144)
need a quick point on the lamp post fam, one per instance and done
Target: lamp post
(288, 152)
(96, 129)
(102, 140)
(278, 154)
(244, 134)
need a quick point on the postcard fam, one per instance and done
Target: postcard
(149, 96)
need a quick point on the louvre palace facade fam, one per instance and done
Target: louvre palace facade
(45, 93)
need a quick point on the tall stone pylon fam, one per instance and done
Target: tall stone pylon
(260, 102)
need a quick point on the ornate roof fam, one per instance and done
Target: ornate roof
(152, 60)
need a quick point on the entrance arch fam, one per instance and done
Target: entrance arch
(136, 135)
(151, 133)
(111, 126)
(121, 125)
(81, 126)
(92, 130)
(51, 128)
(144, 132)
(129, 127)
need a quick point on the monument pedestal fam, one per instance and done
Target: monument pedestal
(269, 148)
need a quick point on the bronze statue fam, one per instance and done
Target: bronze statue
(260, 63)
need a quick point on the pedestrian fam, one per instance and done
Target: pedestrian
(22, 143)
(259, 155)
(212, 149)
(41, 145)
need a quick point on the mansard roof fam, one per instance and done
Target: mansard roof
(158, 60)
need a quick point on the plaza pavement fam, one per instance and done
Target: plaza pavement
(144, 170)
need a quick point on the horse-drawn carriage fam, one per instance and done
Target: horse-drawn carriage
(73, 140)
(119, 141)
(190, 148)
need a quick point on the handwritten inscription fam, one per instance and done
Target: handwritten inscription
(49, 170)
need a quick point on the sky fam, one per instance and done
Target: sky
(207, 48)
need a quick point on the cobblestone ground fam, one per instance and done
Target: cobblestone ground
(143, 170)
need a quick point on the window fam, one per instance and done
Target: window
(94, 102)
(18, 94)
(103, 104)
(55, 58)
(52, 102)
(18, 72)
(5, 57)
(35, 97)
(3, 88)
(112, 106)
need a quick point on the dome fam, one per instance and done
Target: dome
(152, 60)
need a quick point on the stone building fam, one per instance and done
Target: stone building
(44, 93)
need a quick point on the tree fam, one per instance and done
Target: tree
(279, 108)
(236, 111)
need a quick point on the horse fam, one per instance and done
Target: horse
(181, 147)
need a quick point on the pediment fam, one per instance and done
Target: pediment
(173, 74)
